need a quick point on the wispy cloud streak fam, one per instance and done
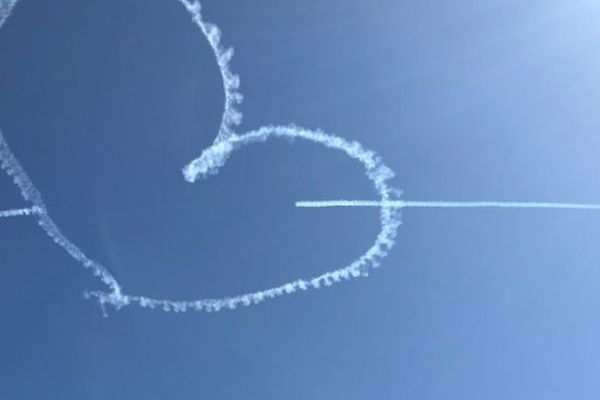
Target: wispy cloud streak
(6, 8)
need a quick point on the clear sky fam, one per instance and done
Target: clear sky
(104, 102)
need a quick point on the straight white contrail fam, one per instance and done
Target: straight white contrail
(444, 204)
(20, 212)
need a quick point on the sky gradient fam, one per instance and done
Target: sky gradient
(105, 102)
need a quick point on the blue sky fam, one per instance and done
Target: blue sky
(104, 102)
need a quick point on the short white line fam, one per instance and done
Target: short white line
(20, 212)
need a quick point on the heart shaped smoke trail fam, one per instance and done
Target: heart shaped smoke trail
(209, 162)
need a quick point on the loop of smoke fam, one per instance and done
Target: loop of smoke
(209, 162)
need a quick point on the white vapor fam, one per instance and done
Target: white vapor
(444, 204)
(231, 83)
(20, 212)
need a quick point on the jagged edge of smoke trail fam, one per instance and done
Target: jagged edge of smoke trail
(231, 83)
(376, 172)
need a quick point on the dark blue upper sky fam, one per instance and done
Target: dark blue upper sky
(104, 102)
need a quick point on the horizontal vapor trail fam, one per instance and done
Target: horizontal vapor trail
(21, 212)
(444, 204)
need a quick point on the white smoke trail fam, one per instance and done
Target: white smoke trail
(445, 204)
(20, 212)
(231, 83)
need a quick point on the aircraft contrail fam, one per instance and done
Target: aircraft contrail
(444, 204)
